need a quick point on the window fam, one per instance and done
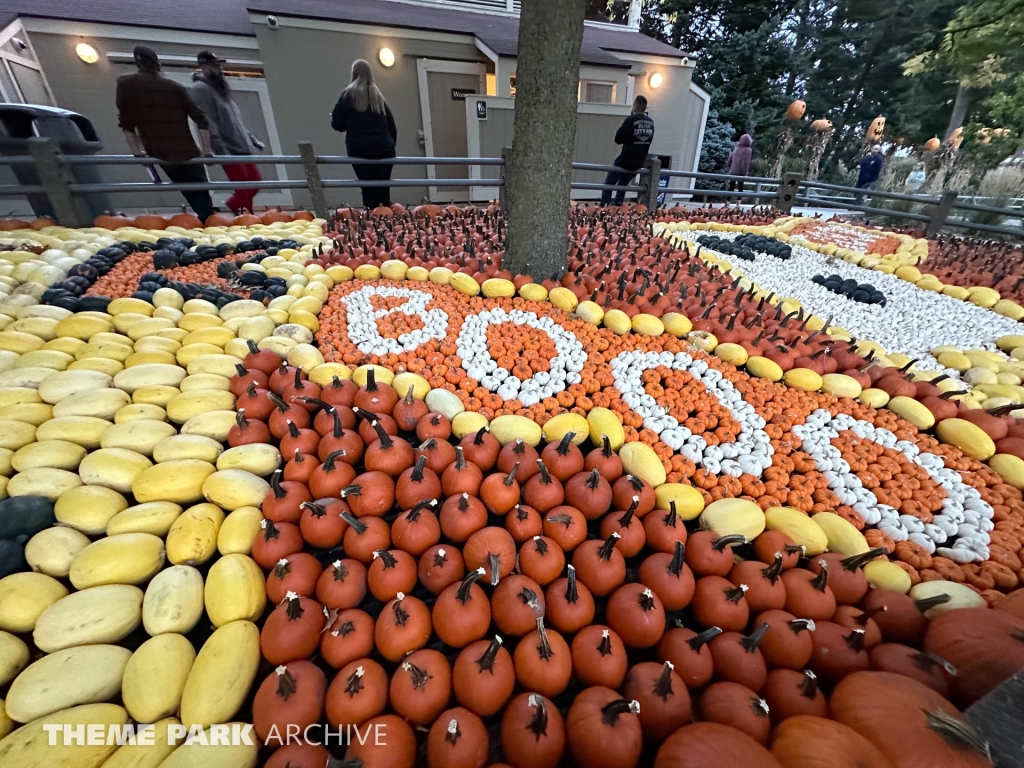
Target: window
(492, 84)
(596, 92)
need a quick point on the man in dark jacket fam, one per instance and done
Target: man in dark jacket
(870, 170)
(635, 135)
(228, 133)
(153, 112)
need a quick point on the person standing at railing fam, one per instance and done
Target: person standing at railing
(635, 135)
(870, 170)
(228, 133)
(739, 161)
(153, 112)
(365, 118)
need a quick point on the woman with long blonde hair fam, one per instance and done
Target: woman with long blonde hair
(364, 117)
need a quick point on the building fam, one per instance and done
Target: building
(288, 61)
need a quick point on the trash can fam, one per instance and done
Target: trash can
(663, 179)
(73, 134)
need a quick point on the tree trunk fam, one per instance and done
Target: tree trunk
(538, 186)
(960, 105)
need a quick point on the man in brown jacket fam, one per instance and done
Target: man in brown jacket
(154, 112)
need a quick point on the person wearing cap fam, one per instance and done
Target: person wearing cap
(870, 170)
(153, 112)
(228, 133)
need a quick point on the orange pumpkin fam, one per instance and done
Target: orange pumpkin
(276, 215)
(8, 225)
(876, 128)
(932, 144)
(796, 110)
(247, 220)
(383, 211)
(43, 221)
(220, 220)
(185, 221)
(821, 125)
(112, 221)
(150, 221)
(302, 216)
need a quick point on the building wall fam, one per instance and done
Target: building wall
(307, 64)
(89, 89)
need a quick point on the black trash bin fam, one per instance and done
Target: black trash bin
(73, 134)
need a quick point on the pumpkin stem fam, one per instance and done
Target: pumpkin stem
(751, 641)
(724, 541)
(855, 639)
(563, 444)
(571, 593)
(522, 515)
(240, 419)
(346, 628)
(471, 578)
(460, 458)
(463, 502)
(627, 518)
(927, 603)
(495, 563)
(332, 457)
(427, 444)
(452, 732)
(294, 608)
(704, 637)
(354, 523)
(413, 515)
(340, 571)
(820, 581)
(646, 599)
(269, 529)
(540, 545)
(417, 470)
(280, 404)
(299, 457)
(384, 437)
(408, 396)
(636, 482)
(809, 685)
(250, 391)
(957, 732)
(772, 571)
(351, 490)
(863, 616)
(355, 682)
(316, 401)
(545, 476)
(544, 649)
(539, 722)
(275, 484)
(440, 558)
(663, 687)
(511, 476)
(371, 381)
(925, 662)
(335, 382)
(605, 551)
(519, 447)
(339, 428)
(419, 675)
(298, 379)
(610, 712)
(605, 646)
(795, 549)
(799, 625)
(670, 518)
(385, 557)
(854, 562)
(735, 594)
(282, 568)
(486, 662)
(760, 706)
(529, 597)
(594, 480)
(285, 683)
(675, 567)
(606, 446)
(908, 366)
(317, 510)
(253, 349)
(478, 439)
(396, 607)
(293, 431)
(567, 519)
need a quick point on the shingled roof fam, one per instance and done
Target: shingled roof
(498, 32)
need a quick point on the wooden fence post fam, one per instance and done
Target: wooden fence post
(313, 180)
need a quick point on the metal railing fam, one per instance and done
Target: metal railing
(67, 196)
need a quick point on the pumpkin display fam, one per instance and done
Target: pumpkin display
(790, 694)
(604, 729)
(570, 605)
(738, 659)
(532, 732)
(462, 613)
(837, 651)
(543, 661)
(358, 692)
(293, 694)
(637, 615)
(788, 641)
(669, 577)
(599, 657)
(717, 603)
(421, 686)
(483, 676)
(689, 653)
(663, 698)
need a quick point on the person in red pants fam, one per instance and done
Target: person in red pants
(228, 134)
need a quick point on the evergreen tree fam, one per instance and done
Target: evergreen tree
(714, 153)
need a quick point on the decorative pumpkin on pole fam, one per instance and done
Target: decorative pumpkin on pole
(875, 130)
(823, 129)
(932, 144)
(793, 113)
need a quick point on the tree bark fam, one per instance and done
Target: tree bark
(960, 105)
(538, 185)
